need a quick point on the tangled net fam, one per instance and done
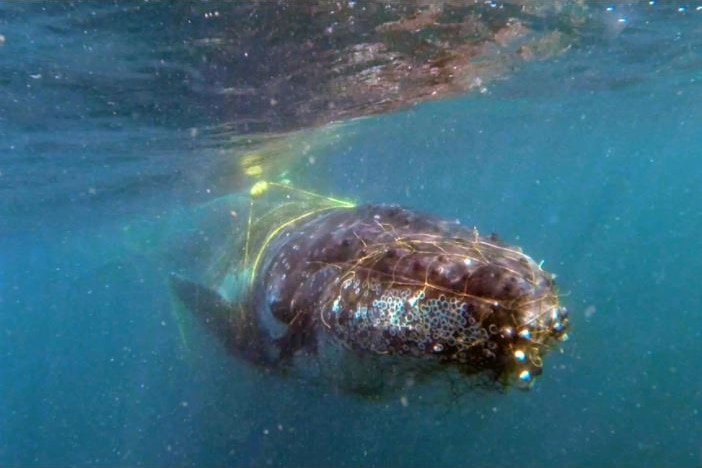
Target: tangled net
(400, 283)
(465, 300)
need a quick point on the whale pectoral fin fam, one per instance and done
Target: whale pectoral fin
(210, 308)
(237, 331)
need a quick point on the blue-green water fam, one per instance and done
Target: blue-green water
(590, 161)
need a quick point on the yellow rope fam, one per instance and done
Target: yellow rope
(277, 230)
(257, 190)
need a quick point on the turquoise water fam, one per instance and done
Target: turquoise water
(590, 161)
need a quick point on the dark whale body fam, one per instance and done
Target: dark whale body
(344, 290)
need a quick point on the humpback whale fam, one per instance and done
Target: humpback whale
(364, 296)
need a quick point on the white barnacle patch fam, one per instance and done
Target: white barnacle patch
(361, 312)
(336, 307)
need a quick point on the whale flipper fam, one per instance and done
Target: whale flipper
(208, 306)
(237, 331)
